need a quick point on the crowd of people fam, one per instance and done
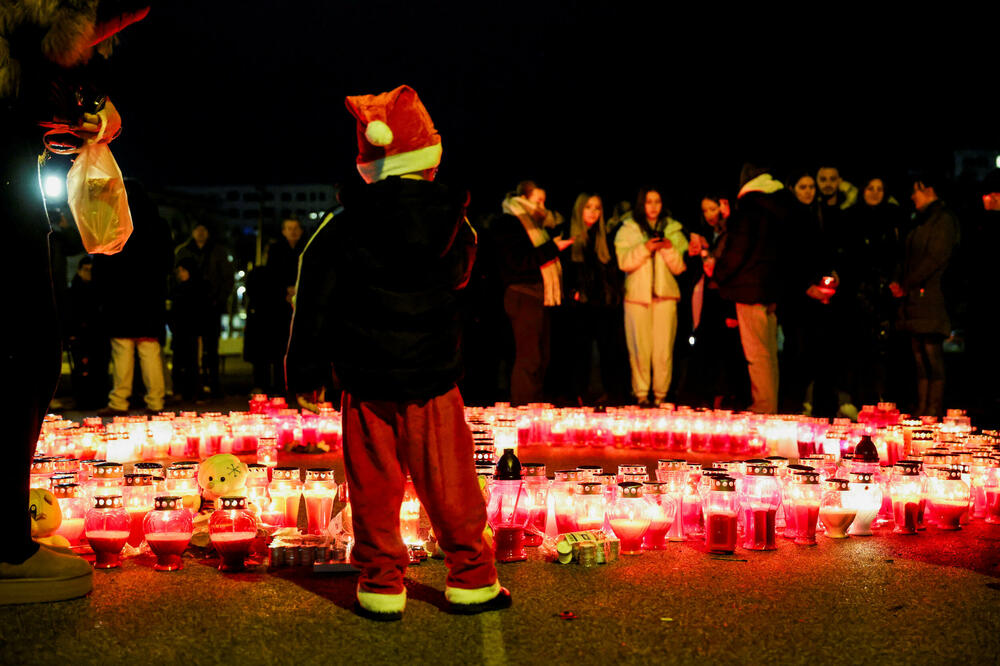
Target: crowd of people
(803, 293)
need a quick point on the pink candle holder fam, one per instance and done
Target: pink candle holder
(285, 491)
(73, 506)
(107, 528)
(759, 496)
(663, 514)
(906, 490)
(167, 529)
(720, 509)
(232, 531)
(630, 517)
(137, 497)
(320, 491)
(805, 496)
(589, 505)
(536, 486)
(835, 511)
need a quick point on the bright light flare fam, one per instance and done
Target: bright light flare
(53, 187)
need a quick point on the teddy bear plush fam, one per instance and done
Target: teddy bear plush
(46, 516)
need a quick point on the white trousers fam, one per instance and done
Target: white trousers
(649, 333)
(123, 367)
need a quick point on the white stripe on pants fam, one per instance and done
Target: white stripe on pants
(759, 336)
(649, 334)
(123, 367)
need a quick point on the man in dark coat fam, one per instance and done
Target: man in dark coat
(216, 270)
(747, 274)
(376, 298)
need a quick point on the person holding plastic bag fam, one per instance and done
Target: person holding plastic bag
(45, 48)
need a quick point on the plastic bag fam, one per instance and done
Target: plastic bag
(96, 195)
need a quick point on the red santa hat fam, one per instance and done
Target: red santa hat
(395, 134)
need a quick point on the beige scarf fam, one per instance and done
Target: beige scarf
(526, 212)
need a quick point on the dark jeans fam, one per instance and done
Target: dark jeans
(529, 320)
(809, 357)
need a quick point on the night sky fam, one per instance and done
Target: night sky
(577, 96)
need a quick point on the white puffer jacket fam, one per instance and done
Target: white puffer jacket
(647, 276)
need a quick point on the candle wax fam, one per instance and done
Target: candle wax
(836, 521)
(947, 513)
(720, 532)
(168, 547)
(72, 529)
(993, 506)
(107, 545)
(759, 527)
(318, 512)
(233, 548)
(630, 532)
(509, 543)
(656, 534)
(806, 516)
(904, 514)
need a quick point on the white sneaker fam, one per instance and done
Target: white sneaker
(45, 576)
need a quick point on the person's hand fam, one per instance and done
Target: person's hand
(732, 323)
(821, 294)
(90, 124)
(696, 245)
(897, 291)
(654, 244)
(311, 400)
(563, 243)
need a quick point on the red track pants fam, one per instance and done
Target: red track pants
(382, 440)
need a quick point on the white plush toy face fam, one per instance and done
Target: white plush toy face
(45, 512)
(222, 475)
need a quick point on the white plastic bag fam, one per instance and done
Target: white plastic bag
(96, 194)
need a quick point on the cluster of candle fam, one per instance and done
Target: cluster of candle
(755, 499)
(268, 427)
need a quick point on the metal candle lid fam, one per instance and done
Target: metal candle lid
(801, 468)
(256, 469)
(65, 490)
(319, 474)
(861, 477)
(285, 474)
(168, 503)
(724, 483)
(42, 466)
(759, 469)
(924, 435)
(181, 472)
(533, 469)
(138, 479)
(232, 503)
(589, 488)
(108, 502)
(777, 460)
(62, 478)
(671, 465)
(568, 475)
(838, 484)
(949, 474)
(654, 488)
(607, 479)
(630, 489)
(153, 468)
(806, 478)
(109, 470)
(632, 469)
(905, 468)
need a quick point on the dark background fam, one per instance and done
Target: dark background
(577, 96)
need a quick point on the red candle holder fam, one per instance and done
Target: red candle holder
(232, 530)
(630, 517)
(168, 529)
(285, 491)
(320, 490)
(662, 513)
(721, 504)
(107, 528)
(759, 498)
(907, 492)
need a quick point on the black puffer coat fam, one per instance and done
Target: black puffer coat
(928, 248)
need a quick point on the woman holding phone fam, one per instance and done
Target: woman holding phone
(650, 247)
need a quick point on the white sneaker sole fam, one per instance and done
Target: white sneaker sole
(41, 590)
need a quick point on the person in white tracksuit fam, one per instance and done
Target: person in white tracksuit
(650, 252)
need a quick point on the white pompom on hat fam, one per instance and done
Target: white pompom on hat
(395, 134)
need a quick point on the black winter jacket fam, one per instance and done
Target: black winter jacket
(376, 293)
(748, 270)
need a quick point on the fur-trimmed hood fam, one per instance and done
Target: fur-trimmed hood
(69, 31)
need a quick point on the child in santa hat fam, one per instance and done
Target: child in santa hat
(376, 297)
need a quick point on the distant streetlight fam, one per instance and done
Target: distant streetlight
(997, 161)
(53, 187)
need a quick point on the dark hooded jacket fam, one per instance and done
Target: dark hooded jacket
(376, 295)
